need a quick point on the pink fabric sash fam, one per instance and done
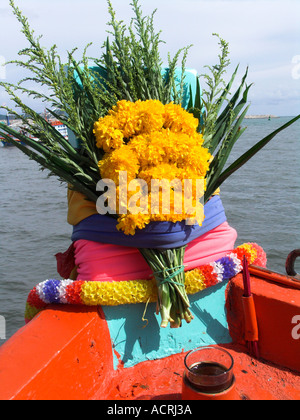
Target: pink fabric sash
(104, 262)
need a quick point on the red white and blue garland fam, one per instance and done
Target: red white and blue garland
(90, 293)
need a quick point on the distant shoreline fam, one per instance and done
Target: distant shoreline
(259, 117)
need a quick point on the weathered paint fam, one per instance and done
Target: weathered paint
(276, 307)
(136, 341)
(65, 353)
(162, 379)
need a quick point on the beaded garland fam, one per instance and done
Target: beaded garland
(138, 291)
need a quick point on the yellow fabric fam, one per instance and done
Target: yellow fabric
(79, 208)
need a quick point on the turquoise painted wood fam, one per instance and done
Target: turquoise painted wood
(135, 341)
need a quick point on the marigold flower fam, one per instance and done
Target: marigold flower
(179, 120)
(122, 159)
(151, 141)
(128, 223)
(108, 136)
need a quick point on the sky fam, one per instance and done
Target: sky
(262, 34)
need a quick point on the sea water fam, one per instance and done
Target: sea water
(261, 200)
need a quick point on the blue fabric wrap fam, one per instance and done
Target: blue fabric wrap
(156, 235)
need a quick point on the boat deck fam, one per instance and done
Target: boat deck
(65, 353)
(255, 380)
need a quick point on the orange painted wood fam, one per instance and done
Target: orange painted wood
(64, 353)
(162, 379)
(276, 306)
(276, 278)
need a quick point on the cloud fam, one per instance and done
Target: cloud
(263, 34)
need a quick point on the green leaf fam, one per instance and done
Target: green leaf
(223, 122)
(226, 91)
(250, 153)
(223, 155)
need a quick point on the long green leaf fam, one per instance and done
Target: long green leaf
(191, 102)
(223, 154)
(250, 153)
(235, 97)
(223, 126)
(59, 172)
(226, 90)
(58, 159)
(221, 158)
(223, 121)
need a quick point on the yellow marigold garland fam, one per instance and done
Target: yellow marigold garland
(138, 291)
